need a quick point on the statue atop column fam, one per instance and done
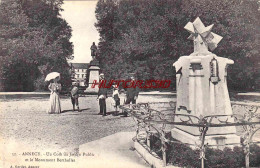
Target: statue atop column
(93, 49)
(93, 71)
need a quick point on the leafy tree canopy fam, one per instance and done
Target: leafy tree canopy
(34, 41)
(147, 36)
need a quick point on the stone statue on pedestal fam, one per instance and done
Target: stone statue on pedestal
(93, 71)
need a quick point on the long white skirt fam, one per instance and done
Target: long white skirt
(54, 106)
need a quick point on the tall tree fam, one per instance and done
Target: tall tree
(148, 36)
(40, 47)
(13, 29)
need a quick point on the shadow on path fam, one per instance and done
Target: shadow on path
(80, 110)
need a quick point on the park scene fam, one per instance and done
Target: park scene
(129, 83)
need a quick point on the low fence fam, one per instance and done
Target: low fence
(156, 119)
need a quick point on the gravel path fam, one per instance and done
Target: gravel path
(26, 120)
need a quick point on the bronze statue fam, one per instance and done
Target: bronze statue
(93, 49)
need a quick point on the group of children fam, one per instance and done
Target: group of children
(74, 94)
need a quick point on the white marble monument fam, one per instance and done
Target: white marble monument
(202, 86)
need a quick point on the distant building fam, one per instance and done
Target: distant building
(79, 73)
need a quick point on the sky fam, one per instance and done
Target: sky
(80, 15)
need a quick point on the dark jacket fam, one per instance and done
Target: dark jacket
(102, 91)
(132, 92)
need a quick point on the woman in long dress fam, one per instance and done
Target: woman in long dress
(55, 88)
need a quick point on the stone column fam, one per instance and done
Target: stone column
(93, 76)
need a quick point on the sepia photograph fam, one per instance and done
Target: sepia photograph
(129, 83)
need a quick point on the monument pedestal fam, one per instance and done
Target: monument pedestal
(93, 76)
(202, 91)
(218, 141)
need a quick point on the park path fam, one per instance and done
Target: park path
(26, 126)
(25, 119)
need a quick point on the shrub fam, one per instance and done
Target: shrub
(182, 155)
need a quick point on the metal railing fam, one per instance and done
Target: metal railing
(160, 116)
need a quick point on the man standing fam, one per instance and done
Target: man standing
(102, 95)
(131, 94)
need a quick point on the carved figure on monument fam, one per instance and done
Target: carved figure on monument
(202, 36)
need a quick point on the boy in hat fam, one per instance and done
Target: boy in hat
(75, 95)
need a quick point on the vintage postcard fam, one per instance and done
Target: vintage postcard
(129, 83)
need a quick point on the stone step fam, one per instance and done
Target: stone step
(112, 151)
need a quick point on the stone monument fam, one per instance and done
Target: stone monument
(202, 86)
(93, 71)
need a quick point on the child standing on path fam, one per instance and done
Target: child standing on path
(75, 96)
(116, 98)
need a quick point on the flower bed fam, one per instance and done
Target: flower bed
(182, 155)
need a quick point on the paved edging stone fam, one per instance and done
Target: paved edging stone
(149, 158)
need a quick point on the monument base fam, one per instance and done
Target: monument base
(219, 141)
(91, 90)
